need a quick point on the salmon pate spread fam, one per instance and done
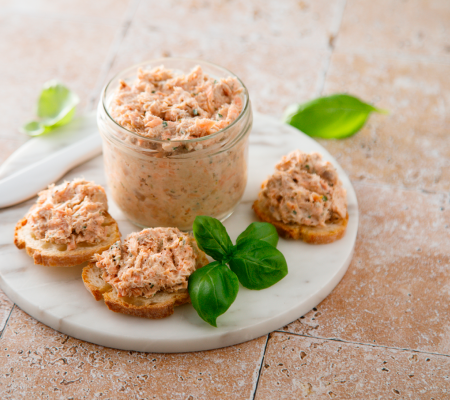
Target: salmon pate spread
(70, 214)
(304, 190)
(158, 259)
(188, 153)
(163, 105)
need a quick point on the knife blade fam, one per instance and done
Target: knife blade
(25, 183)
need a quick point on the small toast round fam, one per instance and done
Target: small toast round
(161, 305)
(57, 255)
(332, 231)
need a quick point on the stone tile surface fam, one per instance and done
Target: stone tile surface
(305, 23)
(409, 147)
(395, 292)
(296, 367)
(37, 361)
(87, 10)
(5, 310)
(256, 40)
(407, 27)
(34, 54)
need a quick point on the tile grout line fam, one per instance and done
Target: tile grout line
(7, 320)
(364, 344)
(112, 53)
(334, 35)
(323, 76)
(260, 367)
(405, 56)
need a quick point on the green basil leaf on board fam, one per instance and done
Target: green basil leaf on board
(258, 264)
(260, 231)
(56, 107)
(254, 261)
(332, 117)
(33, 128)
(212, 238)
(213, 289)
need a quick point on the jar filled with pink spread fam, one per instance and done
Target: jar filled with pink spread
(175, 141)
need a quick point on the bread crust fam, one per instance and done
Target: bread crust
(161, 305)
(151, 311)
(47, 254)
(334, 229)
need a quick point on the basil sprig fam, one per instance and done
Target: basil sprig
(255, 262)
(332, 117)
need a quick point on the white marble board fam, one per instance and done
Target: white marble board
(58, 298)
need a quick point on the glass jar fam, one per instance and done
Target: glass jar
(157, 182)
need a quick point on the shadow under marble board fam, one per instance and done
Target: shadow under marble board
(57, 296)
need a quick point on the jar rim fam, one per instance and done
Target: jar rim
(194, 61)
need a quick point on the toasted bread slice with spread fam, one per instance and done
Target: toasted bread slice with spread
(57, 255)
(161, 305)
(332, 231)
(304, 199)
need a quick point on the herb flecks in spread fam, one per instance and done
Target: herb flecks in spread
(162, 105)
(70, 213)
(304, 190)
(155, 177)
(149, 261)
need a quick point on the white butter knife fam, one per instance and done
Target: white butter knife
(25, 183)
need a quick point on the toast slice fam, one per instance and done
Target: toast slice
(57, 255)
(161, 305)
(334, 229)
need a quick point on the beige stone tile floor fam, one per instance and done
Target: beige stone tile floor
(384, 331)
(109, 11)
(39, 361)
(265, 35)
(36, 48)
(297, 367)
(417, 95)
(397, 27)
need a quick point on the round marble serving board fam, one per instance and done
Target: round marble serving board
(58, 298)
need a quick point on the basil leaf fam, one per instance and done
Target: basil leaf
(333, 117)
(260, 231)
(33, 128)
(258, 264)
(212, 238)
(213, 289)
(56, 107)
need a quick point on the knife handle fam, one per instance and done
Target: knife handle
(25, 183)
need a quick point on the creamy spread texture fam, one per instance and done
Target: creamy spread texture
(169, 183)
(154, 191)
(163, 105)
(149, 261)
(70, 213)
(304, 190)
